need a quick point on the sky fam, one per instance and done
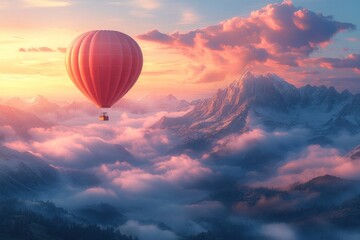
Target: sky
(190, 48)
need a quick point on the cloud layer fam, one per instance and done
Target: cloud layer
(276, 35)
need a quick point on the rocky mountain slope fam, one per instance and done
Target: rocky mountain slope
(271, 102)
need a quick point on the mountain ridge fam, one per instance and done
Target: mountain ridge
(274, 103)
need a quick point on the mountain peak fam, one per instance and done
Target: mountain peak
(274, 102)
(171, 97)
(39, 99)
(326, 183)
(251, 80)
(246, 75)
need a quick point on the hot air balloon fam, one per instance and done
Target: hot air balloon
(104, 65)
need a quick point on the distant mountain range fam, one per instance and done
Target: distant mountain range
(20, 121)
(149, 103)
(254, 101)
(272, 102)
(317, 209)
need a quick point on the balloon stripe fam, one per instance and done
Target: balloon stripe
(94, 61)
(108, 76)
(75, 67)
(125, 67)
(128, 79)
(137, 71)
(84, 66)
(119, 68)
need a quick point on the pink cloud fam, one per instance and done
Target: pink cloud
(97, 191)
(137, 180)
(61, 49)
(171, 172)
(79, 143)
(279, 35)
(351, 61)
(42, 49)
(182, 169)
(314, 161)
(38, 49)
(77, 147)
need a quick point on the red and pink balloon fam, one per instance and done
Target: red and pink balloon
(104, 65)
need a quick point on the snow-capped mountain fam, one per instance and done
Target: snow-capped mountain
(272, 102)
(24, 173)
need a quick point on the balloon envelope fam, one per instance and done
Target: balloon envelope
(104, 65)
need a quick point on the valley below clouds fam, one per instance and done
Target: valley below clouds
(259, 167)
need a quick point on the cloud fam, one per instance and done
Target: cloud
(93, 195)
(312, 162)
(45, 3)
(278, 231)
(140, 8)
(155, 35)
(276, 35)
(61, 49)
(189, 17)
(352, 39)
(182, 169)
(146, 231)
(173, 189)
(80, 143)
(147, 5)
(42, 49)
(172, 172)
(39, 49)
(255, 152)
(351, 61)
(64, 146)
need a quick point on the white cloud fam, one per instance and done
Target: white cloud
(148, 4)
(146, 232)
(189, 17)
(139, 4)
(278, 231)
(312, 162)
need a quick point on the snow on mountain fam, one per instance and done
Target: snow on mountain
(272, 102)
(24, 173)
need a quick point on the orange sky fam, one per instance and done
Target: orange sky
(33, 24)
(31, 73)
